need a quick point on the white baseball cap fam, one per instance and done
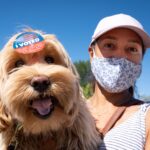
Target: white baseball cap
(121, 20)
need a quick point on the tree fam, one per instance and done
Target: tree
(84, 70)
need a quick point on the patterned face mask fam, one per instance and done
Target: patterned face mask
(115, 74)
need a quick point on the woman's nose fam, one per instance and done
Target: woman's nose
(120, 53)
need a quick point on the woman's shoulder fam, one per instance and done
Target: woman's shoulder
(147, 112)
(147, 108)
(141, 105)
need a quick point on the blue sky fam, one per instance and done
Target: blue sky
(73, 22)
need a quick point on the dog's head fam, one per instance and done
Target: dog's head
(39, 89)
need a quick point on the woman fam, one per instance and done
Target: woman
(116, 51)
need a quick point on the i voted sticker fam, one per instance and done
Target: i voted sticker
(28, 42)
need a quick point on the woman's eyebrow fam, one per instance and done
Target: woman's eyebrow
(110, 37)
(107, 38)
(135, 41)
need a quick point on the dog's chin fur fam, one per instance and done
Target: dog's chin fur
(69, 125)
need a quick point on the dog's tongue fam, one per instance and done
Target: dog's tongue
(42, 106)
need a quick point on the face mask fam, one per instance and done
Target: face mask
(115, 74)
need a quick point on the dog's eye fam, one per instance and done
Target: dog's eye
(49, 59)
(19, 63)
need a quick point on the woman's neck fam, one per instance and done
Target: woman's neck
(102, 98)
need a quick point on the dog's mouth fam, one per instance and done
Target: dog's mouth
(43, 106)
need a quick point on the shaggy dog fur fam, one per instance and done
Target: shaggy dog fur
(42, 106)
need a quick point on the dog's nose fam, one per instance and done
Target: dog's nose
(40, 83)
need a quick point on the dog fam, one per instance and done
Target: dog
(41, 102)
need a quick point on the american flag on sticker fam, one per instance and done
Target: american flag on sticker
(27, 37)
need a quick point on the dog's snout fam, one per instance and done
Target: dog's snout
(40, 83)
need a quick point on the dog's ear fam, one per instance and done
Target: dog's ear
(5, 118)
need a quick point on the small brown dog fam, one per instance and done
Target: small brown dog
(42, 107)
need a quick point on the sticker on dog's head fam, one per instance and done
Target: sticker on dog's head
(29, 42)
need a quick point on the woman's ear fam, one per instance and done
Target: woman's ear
(90, 49)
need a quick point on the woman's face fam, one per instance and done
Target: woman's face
(120, 43)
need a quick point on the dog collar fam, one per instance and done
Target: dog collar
(14, 142)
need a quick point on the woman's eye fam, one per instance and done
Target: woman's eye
(109, 46)
(132, 50)
(49, 59)
(19, 63)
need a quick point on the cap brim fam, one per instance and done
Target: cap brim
(144, 36)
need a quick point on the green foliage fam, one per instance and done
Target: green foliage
(87, 90)
(84, 70)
